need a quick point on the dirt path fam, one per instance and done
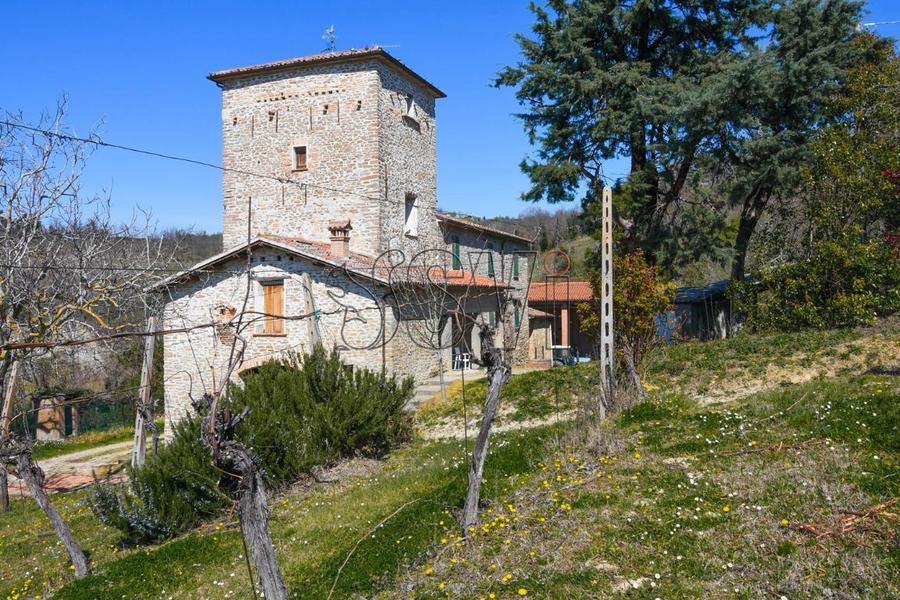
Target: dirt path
(77, 469)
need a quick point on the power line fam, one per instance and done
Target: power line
(224, 169)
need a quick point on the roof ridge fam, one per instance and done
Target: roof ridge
(375, 52)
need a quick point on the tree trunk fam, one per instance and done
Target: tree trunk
(4, 489)
(750, 213)
(33, 477)
(633, 375)
(499, 375)
(253, 513)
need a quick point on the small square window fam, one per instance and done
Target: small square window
(299, 158)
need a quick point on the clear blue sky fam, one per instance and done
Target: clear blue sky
(137, 70)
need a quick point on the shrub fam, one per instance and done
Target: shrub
(305, 411)
(173, 492)
(640, 294)
(845, 281)
(332, 411)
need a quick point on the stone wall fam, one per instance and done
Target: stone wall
(370, 139)
(407, 142)
(349, 320)
(333, 110)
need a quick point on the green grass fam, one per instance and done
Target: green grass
(751, 354)
(529, 395)
(690, 501)
(313, 533)
(643, 495)
(688, 366)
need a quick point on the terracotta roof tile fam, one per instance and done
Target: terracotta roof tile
(573, 290)
(364, 264)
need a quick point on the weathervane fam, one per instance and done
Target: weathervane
(328, 36)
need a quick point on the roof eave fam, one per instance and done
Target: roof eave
(444, 217)
(178, 277)
(287, 65)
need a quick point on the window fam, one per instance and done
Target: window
(490, 260)
(411, 226)
(299, 158)
(409, 109)
(492, 319)
(457, 261)
(516, 268)
(518, 317)
(273, 307)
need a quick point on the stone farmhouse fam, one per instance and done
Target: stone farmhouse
(329, 182)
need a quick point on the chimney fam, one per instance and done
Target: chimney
(340, 238)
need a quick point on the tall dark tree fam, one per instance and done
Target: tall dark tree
(813, 45)
(651, 80)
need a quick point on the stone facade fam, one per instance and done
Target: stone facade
(476, 245)
(348, 319)
(369, 135)
(367, 125)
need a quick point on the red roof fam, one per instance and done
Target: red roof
(339, 56)
(573, 290)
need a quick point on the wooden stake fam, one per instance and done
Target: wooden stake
(315, 335)
(5, 419)
(142, 410)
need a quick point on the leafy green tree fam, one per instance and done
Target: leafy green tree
(849, 177)
(654, 81)
(845, 281)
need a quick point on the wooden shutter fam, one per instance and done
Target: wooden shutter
(299, 158)
(273, 306)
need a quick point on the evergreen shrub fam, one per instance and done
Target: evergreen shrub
(305, 411)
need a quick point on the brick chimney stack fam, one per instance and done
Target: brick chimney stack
(340, 238)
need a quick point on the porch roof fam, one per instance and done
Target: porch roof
(572, 290)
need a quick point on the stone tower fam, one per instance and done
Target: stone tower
(352, 133)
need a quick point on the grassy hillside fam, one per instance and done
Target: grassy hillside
(782, 487)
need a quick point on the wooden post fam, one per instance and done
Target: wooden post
(315, 335)
(8, 397)
(607, 347)
(5, 420)
(142, 410)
